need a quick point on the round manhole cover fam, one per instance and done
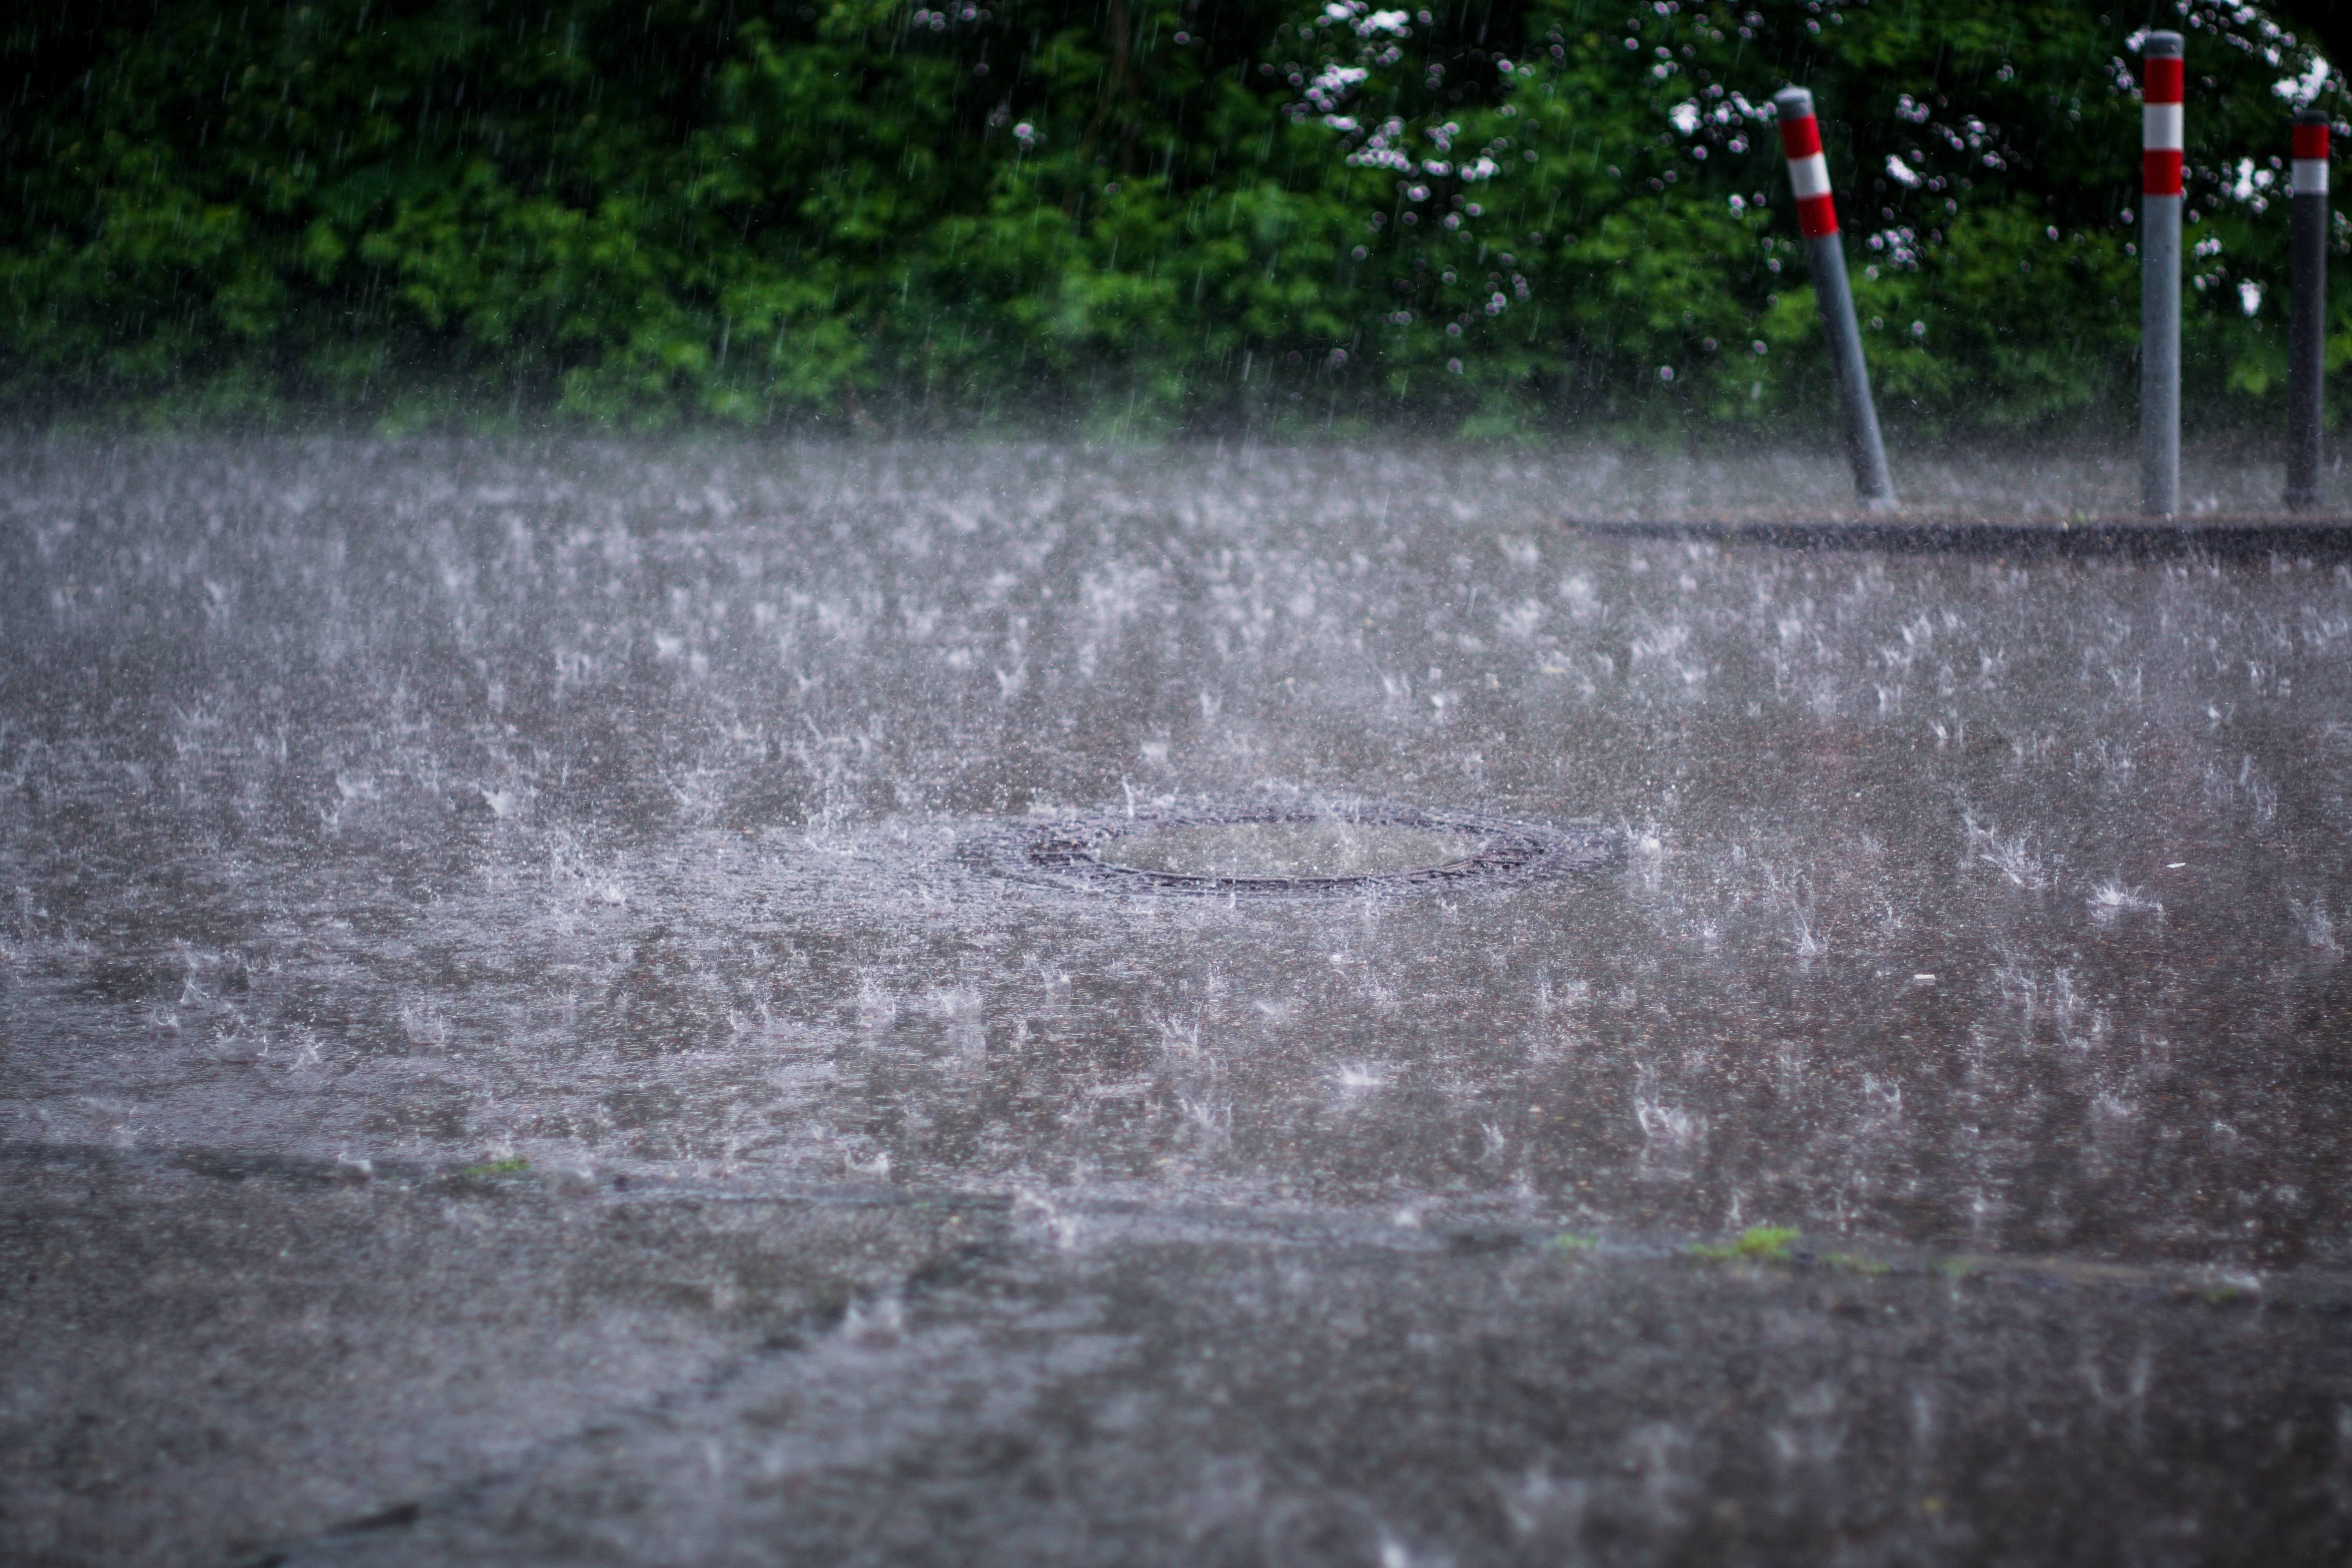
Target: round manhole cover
(1287, 851)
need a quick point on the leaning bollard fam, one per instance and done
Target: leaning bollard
(2159, 275)
(2307, 308)
(1809, 172)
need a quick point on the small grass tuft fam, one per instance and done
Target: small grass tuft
(1571, 1242)
(513, 1165)
(1849, 1263)
(1757, 1244)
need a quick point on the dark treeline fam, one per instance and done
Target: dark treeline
(1137, 216)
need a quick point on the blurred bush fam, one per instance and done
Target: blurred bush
(1130, 217)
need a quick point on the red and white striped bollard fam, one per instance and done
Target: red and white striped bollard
(1809, 173)
(2161, 146)
(2307, 308)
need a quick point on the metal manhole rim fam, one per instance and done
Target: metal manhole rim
(1061, 851)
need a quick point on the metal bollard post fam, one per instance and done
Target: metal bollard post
(2307, 308)
(2159, 275)
(1801, 139)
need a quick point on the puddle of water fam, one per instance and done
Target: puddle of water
(712, 817)
(602, 806)
(1279, 849)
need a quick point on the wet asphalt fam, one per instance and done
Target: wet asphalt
(511, 1055)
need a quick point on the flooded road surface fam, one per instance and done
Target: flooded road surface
(510, 1056)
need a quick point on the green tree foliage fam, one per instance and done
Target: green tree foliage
(1138, 215)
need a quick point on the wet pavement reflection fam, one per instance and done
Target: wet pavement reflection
(489, 867)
